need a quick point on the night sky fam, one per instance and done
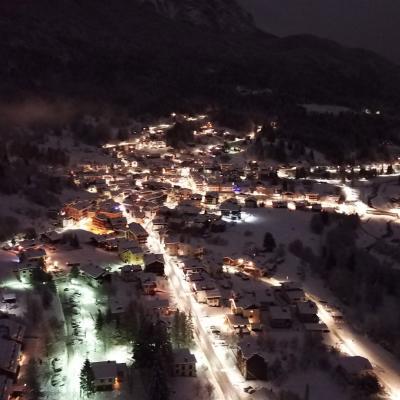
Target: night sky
(371, 24)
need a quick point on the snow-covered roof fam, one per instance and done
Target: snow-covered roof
(9, 354)
(151, 258)
(104, 369)
(184, 356)
(137, 229)
(12, 329)
(92, 270)
(278, 312)
(307, 307)
(355, 364)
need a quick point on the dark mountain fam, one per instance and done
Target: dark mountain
(158, 54)
(221, 15)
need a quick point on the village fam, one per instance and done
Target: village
(202, 231)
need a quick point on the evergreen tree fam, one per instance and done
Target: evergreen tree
(74, 242)
(176, 329)
(316, 224)
(74, 273)
(32, 380)
(143, 347)
(269, 242)
(99, 322)
(189, 335)
(158, 388)
(87, 379)
(307, 392)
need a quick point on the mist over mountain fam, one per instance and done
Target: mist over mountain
(369, 24)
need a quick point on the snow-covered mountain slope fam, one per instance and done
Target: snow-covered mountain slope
(222, 15)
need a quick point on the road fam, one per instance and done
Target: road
(386, 367)
(227, 390)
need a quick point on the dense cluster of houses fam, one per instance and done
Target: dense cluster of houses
(148, 191)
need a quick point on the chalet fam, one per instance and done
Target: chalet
(107, 375)
(211, 297)
(137, 232)
(307, 311)
(184, 363)
(33, 254)
(248, 307)
(101, 222)
(203, 284)
(250, 202)
(175, 247)
(211, 198)
(194, 277)
(118, 224)
(230, 208)
(78, 210)
(94, 274)
(130, 252)
(312, 197)
(238, 324)
(157, 306)
(292, 292)
(12, 330)
(280, 317)
(129, 273)
(52, 237)
(117, 309)
(317, 328)
(154, 263)
(148, 283)
(250, 361)
(110, 209)
(10, 357)
(24, 270)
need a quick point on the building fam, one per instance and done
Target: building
(129, 273)
(137, 232)
(154, 263)
(12, 330)
(148, 283)
(231, 209)
(24, 270)
(292, 292)
(248, 307)
(250, 202)
(184, 363)
(94, 274)
(10, 357)
(211, 198)
(250, 361)
(130, 252)
(78, 210)
(307, 312)
(52, 237)
(33, 254)
(280, 317)
(107, 375)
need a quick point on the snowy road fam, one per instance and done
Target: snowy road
(386, 367)
(227, 389)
